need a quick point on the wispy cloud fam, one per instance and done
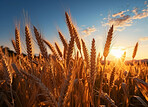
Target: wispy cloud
(135, 11)
(142, 15)
(122, 19)
(143, 39)
(119, 14)
(89, 30)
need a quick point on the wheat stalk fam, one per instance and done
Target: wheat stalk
(65, 87)
(108, 99)
(105, 54)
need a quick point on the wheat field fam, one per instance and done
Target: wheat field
(71, 77)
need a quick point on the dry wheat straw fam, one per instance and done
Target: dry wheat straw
(44, 89)
(125, 91)
(142, 86)
(65, 87)
(2, 82)
(108, 99)
(105, 54)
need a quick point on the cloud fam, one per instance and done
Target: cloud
(118, 14)
(122, 19)
(143, 39)
(89, 30)
(120, 22)
(141, 15)
(135, 11)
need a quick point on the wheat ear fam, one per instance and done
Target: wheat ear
(123, 57)
(93, 62)
(28, 43)
(112, 76)
(70, 50)
(8, 73)
(40, 43)
(108, 42)
(14, 45)
(105, 54)
(69, 24)
(52, 49)
(77, 38)
(85, 52)
(18, 43)
(6, 67)
(58, 49)
(135, 50)
(65, 44)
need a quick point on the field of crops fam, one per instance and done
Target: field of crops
(71, 77)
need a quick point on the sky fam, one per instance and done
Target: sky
(92, 18)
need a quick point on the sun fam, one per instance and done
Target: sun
(117, 52)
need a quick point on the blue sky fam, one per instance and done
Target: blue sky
(92, 18)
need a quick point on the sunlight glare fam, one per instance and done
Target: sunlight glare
(117, 52)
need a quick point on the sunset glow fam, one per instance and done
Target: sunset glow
(74, 53)
(117, 52)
